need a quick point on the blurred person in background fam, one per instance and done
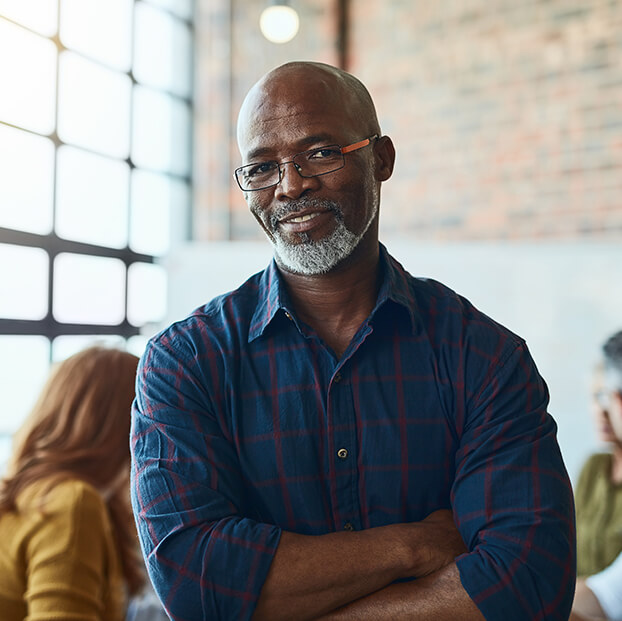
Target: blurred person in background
(598, 495)
(68, 545)
(599, 500)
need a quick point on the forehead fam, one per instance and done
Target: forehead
(288, 111)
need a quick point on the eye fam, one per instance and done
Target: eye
(324, 153)
(260, 169)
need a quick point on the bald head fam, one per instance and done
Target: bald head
(300, 88)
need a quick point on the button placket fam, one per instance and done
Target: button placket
(343, 419)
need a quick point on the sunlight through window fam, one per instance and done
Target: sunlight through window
(28, 86)
(23, 282)
(26, 191)
(95, 161)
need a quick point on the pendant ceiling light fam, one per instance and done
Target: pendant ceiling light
(279, 22)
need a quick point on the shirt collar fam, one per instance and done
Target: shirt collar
(270, 300)
(395, 286)
(272, 295)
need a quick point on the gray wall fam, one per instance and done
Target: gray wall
(564, 298)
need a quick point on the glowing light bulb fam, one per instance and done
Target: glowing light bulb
(279, 23)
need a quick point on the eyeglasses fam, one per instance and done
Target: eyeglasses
(604, 398)
(312, 163)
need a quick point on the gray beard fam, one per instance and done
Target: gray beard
(310, 257)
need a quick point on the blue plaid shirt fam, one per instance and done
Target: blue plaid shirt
(245, 423)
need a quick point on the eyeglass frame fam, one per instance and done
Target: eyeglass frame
(604, 397)
(355, 146)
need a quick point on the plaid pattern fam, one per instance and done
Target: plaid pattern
(245, 424)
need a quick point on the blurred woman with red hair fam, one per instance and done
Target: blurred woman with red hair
(68, 543)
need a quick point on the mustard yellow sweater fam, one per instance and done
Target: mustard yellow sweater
(61, 564)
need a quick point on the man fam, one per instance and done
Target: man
(298, 443)
(598, 493)
(599, 499)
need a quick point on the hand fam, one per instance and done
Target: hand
(438, 543)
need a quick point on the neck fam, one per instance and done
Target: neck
(336, 304)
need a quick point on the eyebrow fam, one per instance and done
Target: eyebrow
(303, 143)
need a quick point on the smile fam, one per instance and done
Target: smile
(303, 218)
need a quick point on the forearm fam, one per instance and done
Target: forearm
(437, 597)
(312, 576)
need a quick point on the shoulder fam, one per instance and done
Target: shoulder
(224, 315)
(73, 498)
(449, 319)
(73, 516)
(69, 501)
(77, 493)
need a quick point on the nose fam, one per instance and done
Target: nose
(292, 184)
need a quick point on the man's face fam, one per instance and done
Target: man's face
(314, 223)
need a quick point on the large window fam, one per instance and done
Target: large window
(95, 166)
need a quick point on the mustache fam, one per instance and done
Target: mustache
(292, 207)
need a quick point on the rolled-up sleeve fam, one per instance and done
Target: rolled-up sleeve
(206, 559)
(512, 498)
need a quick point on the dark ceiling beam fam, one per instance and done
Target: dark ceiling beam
(343, 15)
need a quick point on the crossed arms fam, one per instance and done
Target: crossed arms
(211, 555)
(345, 575)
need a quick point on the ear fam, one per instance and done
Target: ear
(385, 158)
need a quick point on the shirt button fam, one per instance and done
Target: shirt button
(348, 526)
(288, 316)
(337, 377)
(342, 453)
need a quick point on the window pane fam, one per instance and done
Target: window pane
(70, 344)
(92, 198)
(146, 293)
(94, 106)
(151, 212)
(29, 80)
(23, 282)
(100, 29)
(24, 367)
(39, 15)
(182, 8)
(162, 51)
(161, 132)
(88, 289)
(26, 190)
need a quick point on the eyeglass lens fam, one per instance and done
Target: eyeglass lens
(308, 164)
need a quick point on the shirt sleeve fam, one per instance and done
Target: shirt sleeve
(512, 498)
(206, 557)
(67, 557)
(607, 587)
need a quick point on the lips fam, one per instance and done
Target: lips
(301, 216)
(305, 221)
(304, 218)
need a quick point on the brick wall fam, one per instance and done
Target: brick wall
(506, 115)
